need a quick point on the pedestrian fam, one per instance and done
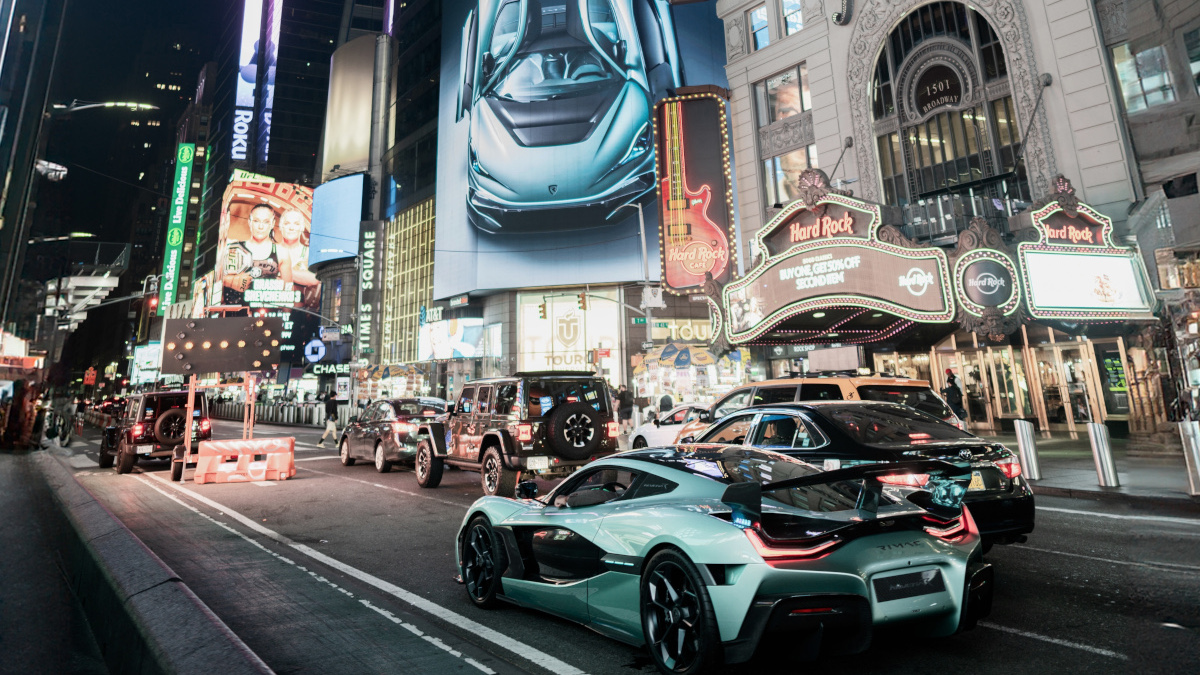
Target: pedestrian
(953, 395)
(331, 420)
(625, 408)
(665, 403)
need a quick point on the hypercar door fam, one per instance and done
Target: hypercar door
(552, 555)
(660, 53)
(467, 65)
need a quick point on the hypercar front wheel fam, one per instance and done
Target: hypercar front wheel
(483, 562)
(677, 616)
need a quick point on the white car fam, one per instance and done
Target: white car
(662, 430)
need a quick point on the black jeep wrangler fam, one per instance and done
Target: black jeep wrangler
(540, 423)
(153, 426)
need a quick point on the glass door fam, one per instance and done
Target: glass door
(976, 379)
(1079, 384)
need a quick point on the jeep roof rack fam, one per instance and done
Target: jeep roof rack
(555, 373)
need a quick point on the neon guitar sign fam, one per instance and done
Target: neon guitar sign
(693, 244)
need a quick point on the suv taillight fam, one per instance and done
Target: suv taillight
(1010, 466)
(205, 424)
(524, 433)
(138, 430)
(613, 430)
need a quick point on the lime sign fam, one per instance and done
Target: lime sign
(180, 191)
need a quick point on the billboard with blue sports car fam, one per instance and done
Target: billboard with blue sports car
(545, 134)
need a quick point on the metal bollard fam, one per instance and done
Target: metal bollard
(1189, 431)
(1027, 450)
(1106, 470)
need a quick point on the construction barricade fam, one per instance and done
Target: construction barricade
(238, 461)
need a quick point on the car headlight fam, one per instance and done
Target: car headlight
(473, 159)
(639, 146)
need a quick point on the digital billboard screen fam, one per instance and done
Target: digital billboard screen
(337, 211)
(545, 134)
(264, 242)
(1070, 281)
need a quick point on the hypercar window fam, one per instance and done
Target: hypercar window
(604, 22)
(733, 431)
(612, 482)
(649, 486)
(783, 431)
(504, 34)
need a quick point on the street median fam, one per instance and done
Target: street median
(144, 618)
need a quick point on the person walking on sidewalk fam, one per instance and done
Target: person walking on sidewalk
(625, 408)
(953, 395)
(331, 420)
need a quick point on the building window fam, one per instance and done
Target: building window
(991, 53)
(793, 21)
(757, 19)
(336, 313)
(1145, 77)
(783, 95)
(1192, 42)
(781, 175)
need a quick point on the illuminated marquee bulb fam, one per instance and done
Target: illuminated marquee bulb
(206, 344)
(241, 343)
(170, 346)
(266, 352)
(224, 344)
(267, 333)
(187, 345)
(257, 364)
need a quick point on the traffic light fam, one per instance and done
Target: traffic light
(152, 302)
(542, 311)
(583, 301)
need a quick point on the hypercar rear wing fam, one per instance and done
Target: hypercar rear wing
(944, 492)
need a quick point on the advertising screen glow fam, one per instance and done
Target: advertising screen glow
(1084, 281)
(451, 339)
(545, 134)
(337, 211)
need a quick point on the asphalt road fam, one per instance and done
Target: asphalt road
(345, 570)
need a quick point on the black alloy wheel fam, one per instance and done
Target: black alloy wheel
(171, 426)
(677, 616)
(427, 466)
(344, 453)
(497, 480)
(483, 562)
(578, 429)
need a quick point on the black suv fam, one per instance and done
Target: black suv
(541, 423)
(153, 426)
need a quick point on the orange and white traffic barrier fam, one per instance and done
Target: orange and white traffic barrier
(233, 461)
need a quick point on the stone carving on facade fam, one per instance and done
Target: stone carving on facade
(978, 235)
(1064, 194)
(1114, 20)
(813, 186)
(890, 234)
(790, 134)
(1008, 18)
(735, 38)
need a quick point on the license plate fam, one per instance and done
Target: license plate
(145, 449)
(537, 463)
(976, 481)
(908, 585)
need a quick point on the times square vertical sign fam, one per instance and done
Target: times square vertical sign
(256, 80)
(176, 222)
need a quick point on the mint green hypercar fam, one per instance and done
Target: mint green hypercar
(700, 552)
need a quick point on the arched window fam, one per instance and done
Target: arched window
(945, 125)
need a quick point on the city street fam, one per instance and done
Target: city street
(345, 570)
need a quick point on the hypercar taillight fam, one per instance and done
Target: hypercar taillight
(1010, 466)
(952, 530)
(774, 555)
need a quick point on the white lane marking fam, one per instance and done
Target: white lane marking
(263, 483)
(385, 487)
(313, 459)
(320, 579)
(1156, 519)
(81, 462)
(1158, 566)
(497, 638)
(1055, 641)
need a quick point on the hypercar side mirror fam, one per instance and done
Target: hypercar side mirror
(527, 489)
(621, 49)
(488, 65)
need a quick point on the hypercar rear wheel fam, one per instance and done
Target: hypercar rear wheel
(677, 616)
(483, 562)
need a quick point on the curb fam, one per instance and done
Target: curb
(1184, 503)
(145, 619)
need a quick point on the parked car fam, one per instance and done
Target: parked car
(153, 426)
(700, 552)
(842, 434)
(913, 393)
(559, 97)
(537, 423)
(663, 429)
(386, 432)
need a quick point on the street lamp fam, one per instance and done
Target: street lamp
(64, 108)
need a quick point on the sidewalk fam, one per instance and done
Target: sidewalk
(42, 626)
(1068, 470)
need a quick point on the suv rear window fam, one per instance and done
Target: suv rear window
(156, 405)
(545, 393)
(920, 398)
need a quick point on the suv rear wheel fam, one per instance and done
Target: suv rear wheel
(105, 458)
(575, 430)
(497, 479)
(428, 465)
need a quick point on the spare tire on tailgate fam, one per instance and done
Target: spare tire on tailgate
(575, 430)
(171, 426)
